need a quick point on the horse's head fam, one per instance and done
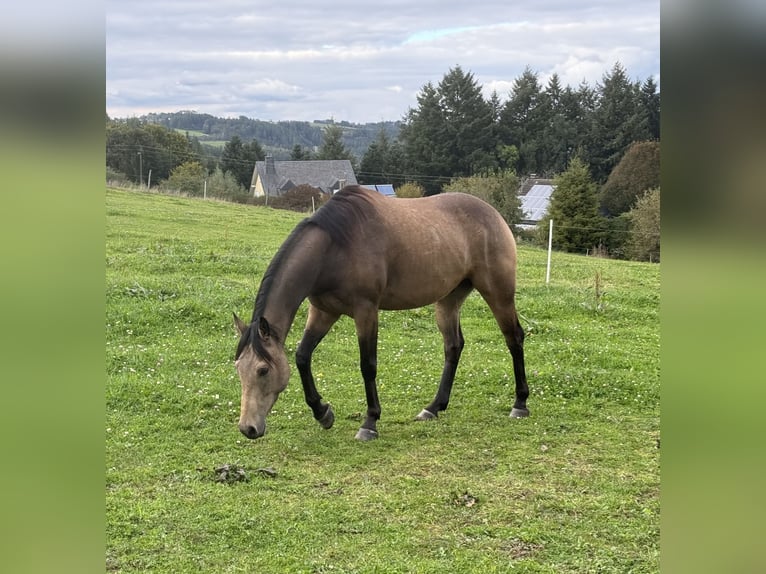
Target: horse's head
(263, 371)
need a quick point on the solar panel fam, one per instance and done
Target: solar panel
(535, 203)
(386, 189)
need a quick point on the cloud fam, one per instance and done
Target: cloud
(305, 60)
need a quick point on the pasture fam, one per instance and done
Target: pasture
(574, 488)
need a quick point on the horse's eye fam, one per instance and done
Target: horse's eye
(263, 371)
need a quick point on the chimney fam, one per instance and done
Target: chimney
(270, 169)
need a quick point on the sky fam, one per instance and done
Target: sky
(358, 61)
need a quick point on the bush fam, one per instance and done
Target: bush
(300, 199)
(224, 185)
(117, 178)
(644, 241)
(410, 189)
(187, 178)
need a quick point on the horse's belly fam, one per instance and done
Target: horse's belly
(417, 291)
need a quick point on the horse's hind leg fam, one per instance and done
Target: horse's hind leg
(366, 322)
(317, 326)
(448, 321)
(504, 310)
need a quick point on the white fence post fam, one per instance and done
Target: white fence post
(550, 243)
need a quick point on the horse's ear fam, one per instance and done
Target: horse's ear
(239, 324)
(264, 329)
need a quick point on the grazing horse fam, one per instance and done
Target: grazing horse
(362, 252)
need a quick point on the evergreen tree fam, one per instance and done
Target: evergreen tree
(397, 164)
(298, 153)
(495, 106)
(332, 144)
(468, 124)
(239, 159)
(383, 162)
(616, 122)
(649, 112)
(521, 123)
(374, 165)
(577, 225)
(424, 136)
(558, 135)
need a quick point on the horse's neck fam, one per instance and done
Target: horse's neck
(294, 281)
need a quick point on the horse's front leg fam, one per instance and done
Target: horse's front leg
(317, 326)
(366, 321)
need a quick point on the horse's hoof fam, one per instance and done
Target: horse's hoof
(328, 419)
(519, 413)
(426, 415)
(366, 434)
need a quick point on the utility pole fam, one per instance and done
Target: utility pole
(140, 170)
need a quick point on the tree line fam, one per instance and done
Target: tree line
(454, 131)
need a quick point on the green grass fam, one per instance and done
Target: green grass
(572, 489)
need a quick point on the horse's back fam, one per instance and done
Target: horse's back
(454, 224)
(436, 243)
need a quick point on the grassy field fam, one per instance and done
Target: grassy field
(572, 489)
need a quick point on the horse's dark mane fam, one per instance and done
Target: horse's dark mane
(345, 213)
(341, 217)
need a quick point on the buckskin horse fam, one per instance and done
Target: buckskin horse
(362, 252)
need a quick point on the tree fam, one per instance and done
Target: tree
(374, 164)
(558, 137)
(332, 145)
(239, 159)
(160, 149)
(383, 162)
(649, 110)
(451, 133)
(616, 122)
(577, 225)
(521, 123)
(644, 241)
(468, 125)
(424, 139)
(298, 153)
(188, 178)
(638, 170)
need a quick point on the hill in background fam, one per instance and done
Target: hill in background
(276, 138)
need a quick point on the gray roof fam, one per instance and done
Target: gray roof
(535, 202)
(278, 177)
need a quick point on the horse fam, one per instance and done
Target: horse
(363, 252)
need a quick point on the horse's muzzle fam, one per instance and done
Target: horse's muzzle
(251, 432)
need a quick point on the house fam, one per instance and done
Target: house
(386, 189)
(535, 195)
(274, 178)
